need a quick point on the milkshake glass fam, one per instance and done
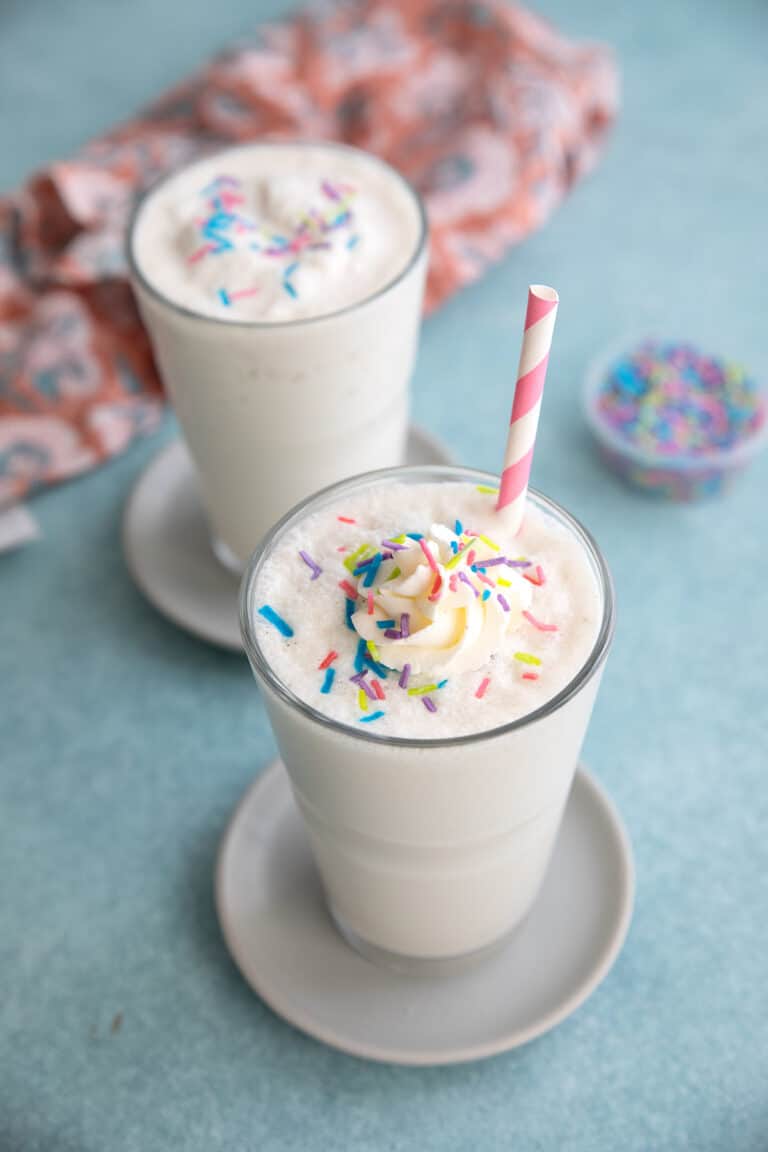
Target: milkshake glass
(286, 347)
(431, 848)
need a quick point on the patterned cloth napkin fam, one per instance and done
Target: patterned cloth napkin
(488, 110)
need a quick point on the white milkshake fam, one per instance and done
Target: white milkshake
(281, 285)
(429, 678)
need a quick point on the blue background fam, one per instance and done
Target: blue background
(125, 743)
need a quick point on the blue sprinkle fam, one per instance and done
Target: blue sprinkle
(442, 683)
(458, 527)
(486, 594)
(379, 669)
(371, 571)
(273, 618)
(371, 716)
(289, 271)
(385, 623)
(224, 297)
(415, 535)
(328, 681)
(352, 242)
(360, 655)
(349, 610)
(454, 547)
(290, 289)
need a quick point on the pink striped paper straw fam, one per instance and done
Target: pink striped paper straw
(531, 373)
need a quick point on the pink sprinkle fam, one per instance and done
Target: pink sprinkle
(530, 675)
(405, 676)
(485, 580)
(378, 690)
(198, 255)
(370, 603)
(538, 579)
(428, 554)
(482, 688)
(429, 704)
(348, 590)
(452, 582)
(471, 556)
(342, 548)
(501, 599)
(538, 624)
(329, 659)
(244, 292)
(346, 520)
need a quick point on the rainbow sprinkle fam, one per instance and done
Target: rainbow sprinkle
(429, 704)
(328, 679)
(482, 688)
(328, 660)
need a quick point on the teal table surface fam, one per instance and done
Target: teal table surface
(124, 744)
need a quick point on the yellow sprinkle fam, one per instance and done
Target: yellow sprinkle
(487, 491)
(454, 560)
(393, 574)
(527, 658)
(398, 539)
(488, 543)
(503, 581)
(351, 561)
(362, 700)
(373, 650)
(422, 691)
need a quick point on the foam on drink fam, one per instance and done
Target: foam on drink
(495, 625)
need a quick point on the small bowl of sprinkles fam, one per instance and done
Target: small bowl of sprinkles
(673, 420)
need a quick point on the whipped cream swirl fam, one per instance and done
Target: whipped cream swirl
(430, 608)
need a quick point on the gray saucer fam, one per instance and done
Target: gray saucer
(168, 550)
(281, 937)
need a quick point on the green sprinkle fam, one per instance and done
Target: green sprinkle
(393, 574)
(373, 650)
(351, 561)
(423, 691)
(527, 658)
(487, 491)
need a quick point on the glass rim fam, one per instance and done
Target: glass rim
(139, 277)
(585, 673)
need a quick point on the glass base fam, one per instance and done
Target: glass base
(419, 965)
(226, 556)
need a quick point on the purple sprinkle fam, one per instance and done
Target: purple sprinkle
(365, 563)
(490, 563)
(518, 563)
(362, 683)
(405, 676)
(394, 547)
(502, 601)
(463, 576)
(429, 704)
(316, 569)
(405, 625)
(393, 634)
(387, 555)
